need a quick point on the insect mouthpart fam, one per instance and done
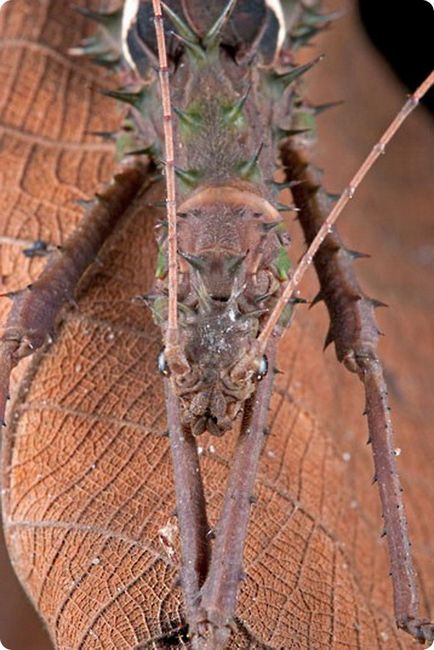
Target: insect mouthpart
(210, 399)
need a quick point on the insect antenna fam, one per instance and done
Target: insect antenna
(347, 194)
(190, 498)
(356, 347)
(173, 351)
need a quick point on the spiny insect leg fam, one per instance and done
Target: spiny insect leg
(342, 201)
(354, 331)
(35, 309)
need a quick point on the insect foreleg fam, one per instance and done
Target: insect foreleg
(225, 572)
(190, 506)
(354, 331)
(35, 309)
(219, 592)
(210, 579)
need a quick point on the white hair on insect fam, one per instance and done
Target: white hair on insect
(129, 15)
(276, 6)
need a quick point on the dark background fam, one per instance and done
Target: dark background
(403, 32)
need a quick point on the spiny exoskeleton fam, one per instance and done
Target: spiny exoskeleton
(223, 288)
(232, 86)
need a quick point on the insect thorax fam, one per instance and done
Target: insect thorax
(232, 97)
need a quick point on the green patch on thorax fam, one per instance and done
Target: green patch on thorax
(162, 266)
(282, 264)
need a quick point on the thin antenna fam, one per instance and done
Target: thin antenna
(172, 330)
(346, 195)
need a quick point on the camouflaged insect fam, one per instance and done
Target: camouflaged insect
(236, 110)
(233, 92)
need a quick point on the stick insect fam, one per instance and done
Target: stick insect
(233, 300)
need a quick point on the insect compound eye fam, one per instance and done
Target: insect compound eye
(162, 364)
(262, 368)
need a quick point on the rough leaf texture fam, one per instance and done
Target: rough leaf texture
(88, 494)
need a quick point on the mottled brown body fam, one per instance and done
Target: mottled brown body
(227, 285)
(231, 243)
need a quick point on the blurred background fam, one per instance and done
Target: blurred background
(402, 32)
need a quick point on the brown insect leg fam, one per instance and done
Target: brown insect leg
(190, 507)
(406, 600)
(220, 589)
(354, 331)
(35, 309)
(325, 225)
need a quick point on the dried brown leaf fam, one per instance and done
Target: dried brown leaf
(87, 482)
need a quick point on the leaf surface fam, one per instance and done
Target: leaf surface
(88, 493)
